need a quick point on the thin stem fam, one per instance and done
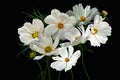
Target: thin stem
(45, 72)
(59, 75)
(84, 66)
(72, 74)
(40, 69)
(49, 75)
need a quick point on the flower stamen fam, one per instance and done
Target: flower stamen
(60, 25)
(94, 31)
(48, 49)
(82, 18)
(76, 37)
(35, 34)
(67, 60)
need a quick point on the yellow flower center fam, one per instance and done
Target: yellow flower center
(95, 31)
(76, 37)
(60, 25)
(48, 49)
(82, 18)
(67, 60)
(35, 34)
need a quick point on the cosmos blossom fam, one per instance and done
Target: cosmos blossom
(66, 60)
(100, 31)
(30, 31)
(59, 23)
(83, 15)
(44, 46)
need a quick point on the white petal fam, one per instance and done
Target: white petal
(51, 29)
(70, 49)
(105, 28)
(67, 27)
(50, 20)
(29, 27)
(63, 52)
(87, 10)
(78, 10)
(102, 38)
(75, 57)
(36, 46)
(25, 38)
(70, 13)
(71, 33)
(46, 39)
(68, 66)
(58, 65)
(42, 42)
(56, 42)
(72, 20)
(93, 12)
(63, 17)
(66, 44)
(57, 58)
(55, 12)
(22, 31)
(38, 57)
(38, 25)
(94, 41)
(97, 19)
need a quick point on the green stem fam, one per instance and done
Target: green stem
(49, 73)
(85, 67)
(40, 69)
(49, 76)
(59, 75)
(72, 74)
(45, 72)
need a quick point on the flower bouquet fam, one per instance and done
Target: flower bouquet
(59, 38)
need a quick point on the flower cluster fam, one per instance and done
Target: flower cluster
(60, 32)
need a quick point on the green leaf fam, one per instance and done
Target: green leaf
(35, 14)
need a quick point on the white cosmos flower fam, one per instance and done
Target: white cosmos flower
(83, 15)
(84, 34)
(73, 36)
(45, 46)
(99, 31)
(77, 36)
(58, 23)
(30, 32)
(66, 60)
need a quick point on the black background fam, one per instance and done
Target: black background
(98, 64)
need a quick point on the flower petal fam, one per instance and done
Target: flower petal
(75, 57)
(51, 20)
(59, 66)
(72, 20)
(51, 29)
(38, 57)
(63, 17)
(55, 13)
(22, 31)
(68, 66)
(28, 27)
(70, 49)
(57, 58)
(25, 38)
(63, 52)
(36, 46)
(56, 42)
(38, 25)
(94, 41)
